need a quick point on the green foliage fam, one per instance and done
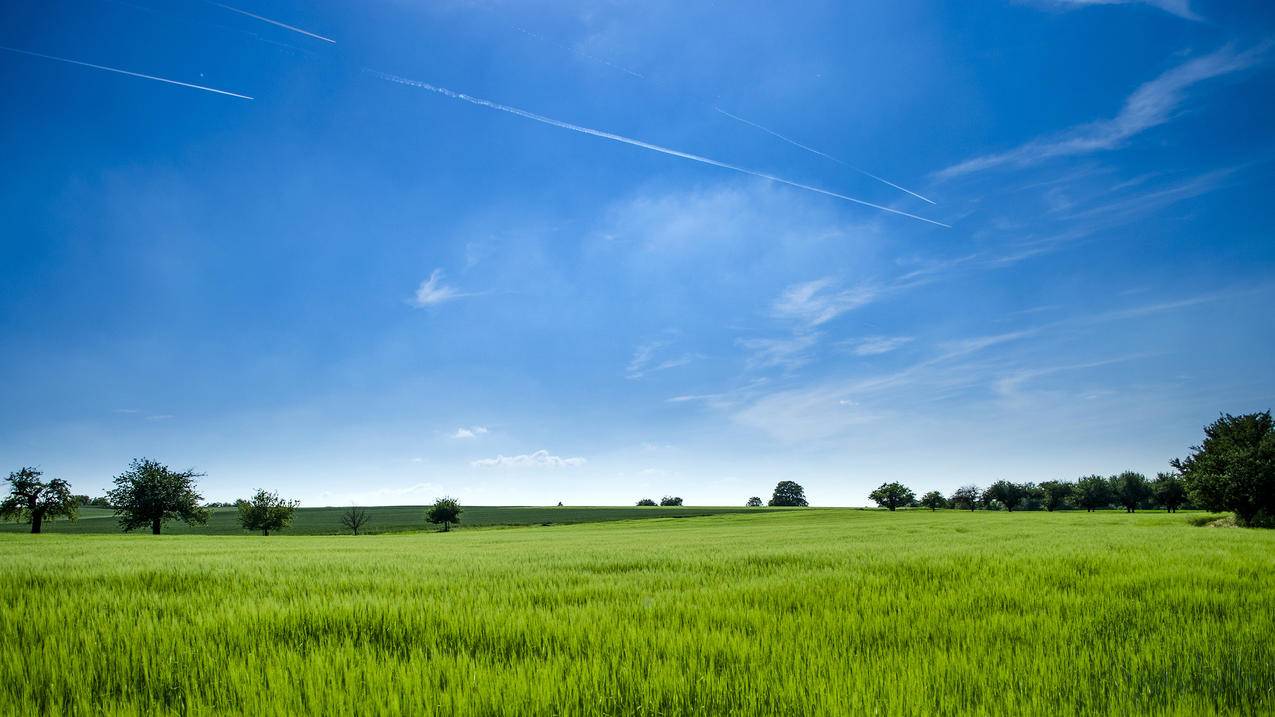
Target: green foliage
(1092, 493)
(1008, 494)
(1055, 494)
(934, 500)
(966, 497)
(34, 501)
(754, 502)
(1169, 491)
(266, 511)
(892, 495)
(670, 500)
(1130, 489)
(1234, 468)
(646, 502)
(444, 512)
(789, 494)
(354, 519)
(828, 612)
(149, 494)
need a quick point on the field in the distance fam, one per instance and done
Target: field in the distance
(793, 612)
(386, 519)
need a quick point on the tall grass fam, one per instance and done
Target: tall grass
(802, 612)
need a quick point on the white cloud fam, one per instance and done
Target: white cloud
(789, 353)
(539, 459)
(1151, 105)
(1181, 8)
(816, 302)
(646, 360)
(876, 345)
(464, 433)
(433, 291)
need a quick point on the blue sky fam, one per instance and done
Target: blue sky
(351, 288)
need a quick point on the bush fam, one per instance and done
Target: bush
(645, 502)
(670, 501)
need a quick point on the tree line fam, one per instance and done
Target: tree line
(1128, 490)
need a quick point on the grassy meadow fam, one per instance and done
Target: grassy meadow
(827, 612)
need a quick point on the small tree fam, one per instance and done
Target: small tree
(444, 512)
(1006, 493)
(754, 502)
(34, 501)
(354, 519)
(789, 494)
(934, 500)
(892, 495)
(1234, 468)
(266, 511)
(670, 501)
(645, 502)
(966, 497)
(1055, 494)
(148, 493)
(1130, 489)
(1093, 492)
(1169, 491)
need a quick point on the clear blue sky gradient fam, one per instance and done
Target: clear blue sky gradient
(353, 290)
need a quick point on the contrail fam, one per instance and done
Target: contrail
(639, 143)
(272, 22)
(812, 150)
(126, 72)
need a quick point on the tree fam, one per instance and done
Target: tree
(354, 519)
(754, 502)
(1093, 492)
(671, 501)
(1234, 468)
(966, 497)
(1056, 493)
(34, 501)
(1169, 491)
(445, 511)
(789, 494)
(1130, 489)
(934, 500)
(645, 502)
(148, 493)
(1006, 493)
(892, 495)
(266, 512)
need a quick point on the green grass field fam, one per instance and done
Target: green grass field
(828, 612)
(384, 519)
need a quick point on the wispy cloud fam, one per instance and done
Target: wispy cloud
(1181, 8)
(464, 433)
(876, 345)
(647, 360)
(817, 302)
(539, 459)
(1151, 105)
(433, 291)
(788, 353)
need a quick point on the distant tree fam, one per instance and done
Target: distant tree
(148, 493)
(1006, 493)
(754, 502)
(789, 494)
(1033, 496)
(354, 519)
(1055, 494)
(99, 502)
(1129, 489)
(266, 511)
(892, 495)
(645, 502)
(1169, 491)
(559, 504)
(670, 501)
(1093, 492)
(966, 497)
(1234, 468)
(444, 512)
(934, 500)
(34, 501)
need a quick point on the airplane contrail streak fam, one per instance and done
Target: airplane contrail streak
(127, 72)
(812, 150)
(272, 22)
(639, 143)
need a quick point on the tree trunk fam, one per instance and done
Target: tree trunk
(265, 531)
(37, 520)
(156, 524)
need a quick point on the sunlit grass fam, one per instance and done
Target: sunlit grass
(799, 612)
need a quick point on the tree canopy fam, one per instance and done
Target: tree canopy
(789, 494)
(1092, 492)
(149, 493)
(1234, 468)
(1006, 493)
(966, 497)
(892, 495)
(934, 500)
(34, 501)
(645, 502)
(670, 501)
(1056, 493)
(754, 502)
(444, 512)
(1130, 489)
(1169, 491)
(266, 511)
